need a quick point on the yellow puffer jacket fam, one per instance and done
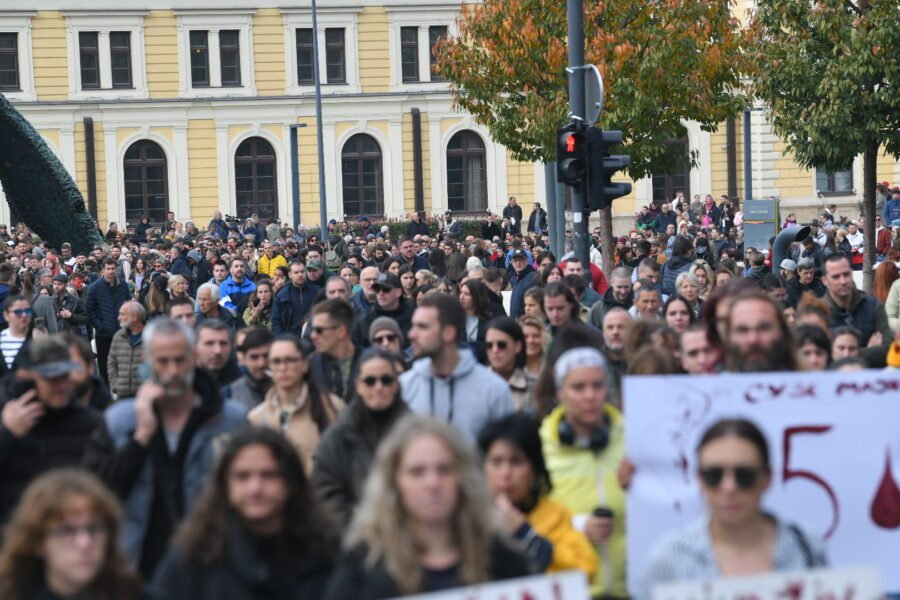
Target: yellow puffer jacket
(571, 549)
(267, 266)
(583, 481)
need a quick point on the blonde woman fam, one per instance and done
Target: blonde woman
(706, 280)
(178, 287)
(425, 522)
(537, 338)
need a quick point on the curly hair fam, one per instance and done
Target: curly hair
(46, 501)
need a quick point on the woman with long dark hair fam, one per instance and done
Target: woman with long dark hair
(295, 405)
(63, 542)
(257, 531)
(437, 262)
(504, 344)
(519, 482)
(736, 537)
(347, 449)
(473, 296)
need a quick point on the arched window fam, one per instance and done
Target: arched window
(254, 180)
(362, 176)
(146, 183)
(466, 177)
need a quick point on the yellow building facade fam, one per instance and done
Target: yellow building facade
(190, 106)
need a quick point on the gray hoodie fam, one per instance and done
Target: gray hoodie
(469, 398)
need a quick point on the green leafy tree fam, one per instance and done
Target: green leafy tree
(827, 72)
(663, 62)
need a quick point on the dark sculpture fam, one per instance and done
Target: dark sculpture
(38, 188)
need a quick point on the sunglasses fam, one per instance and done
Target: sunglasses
(321, 330)
(385, 339)
(745, 477)
(21, 312)
(385, 380)
(501, 345)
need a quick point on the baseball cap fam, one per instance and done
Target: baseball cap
(517, 254)
(387, 282)
(314, 265)
(195, 255)
(788, 265)
(62, 278)
(49, 357)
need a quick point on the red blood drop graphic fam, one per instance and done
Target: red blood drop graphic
(886, 504)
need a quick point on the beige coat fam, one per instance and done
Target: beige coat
(294, 419)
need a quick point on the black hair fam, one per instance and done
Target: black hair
(481, 304)
(742, 429)
(256, 337)
(450, 311)
(316, 394)
(847, 361)
(814, 335)
(511, 328)
(522, 431)
(679, 298)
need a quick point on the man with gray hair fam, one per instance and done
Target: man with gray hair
(805, 281)
(208, 307)
(156, 451)
(125, 351)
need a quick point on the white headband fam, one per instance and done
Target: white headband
(583, 356)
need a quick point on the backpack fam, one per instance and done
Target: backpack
(333, 260)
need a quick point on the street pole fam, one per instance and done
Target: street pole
(550, 193)
(295, 174)
(575, 14)
(748, 160)
(323, 206)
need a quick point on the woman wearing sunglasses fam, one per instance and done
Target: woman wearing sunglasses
(504, 344)
(736, 537)
(345, 454)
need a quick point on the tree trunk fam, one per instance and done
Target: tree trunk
(870, 160)
(607, 243)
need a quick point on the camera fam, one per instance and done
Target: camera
(232, 220)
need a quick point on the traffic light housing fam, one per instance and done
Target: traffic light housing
(572, 154)
(603, 165)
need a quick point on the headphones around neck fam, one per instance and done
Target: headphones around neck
(597, 442)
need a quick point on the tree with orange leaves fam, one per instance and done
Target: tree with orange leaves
(663, 62)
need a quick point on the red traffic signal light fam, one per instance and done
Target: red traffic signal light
(571, 155)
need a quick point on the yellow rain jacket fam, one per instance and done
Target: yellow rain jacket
(571, 548)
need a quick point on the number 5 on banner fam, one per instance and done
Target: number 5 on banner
(788, 473)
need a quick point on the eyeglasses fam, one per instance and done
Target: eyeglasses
(319, 330)
(384, 339)
(287, 360)
(21, 312)
(501, 345)
(745, 477)
(385, 380)
(69, 533)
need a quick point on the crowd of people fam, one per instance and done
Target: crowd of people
(247, 411)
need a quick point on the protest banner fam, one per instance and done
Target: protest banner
(818, 584)
(834, 440)
(567, 585)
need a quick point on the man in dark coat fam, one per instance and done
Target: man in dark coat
(513, 212)
(293, 301)
(104, 299)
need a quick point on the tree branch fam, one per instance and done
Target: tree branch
(853, 7)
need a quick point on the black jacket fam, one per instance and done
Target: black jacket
(252, 569)
(489, 230)
(403, 316)
(345, 455)
(351, 580)
(414, 228)
(103, 304)
(57, 440)
(290, 307)
(514, 212)
(326, 372)
(538, 218)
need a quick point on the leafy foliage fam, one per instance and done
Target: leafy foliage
(663, 62)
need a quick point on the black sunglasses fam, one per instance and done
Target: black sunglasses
(385, 380)
(745, 477)
(501, 345)
(381, 339)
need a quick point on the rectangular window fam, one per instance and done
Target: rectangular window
(9, 62)
(837, 182)
(305, 63)
(89, 57)
(230, 57)
(120, 59)
(199, 58)
(409, 53)
(335, 67)
(435, 34)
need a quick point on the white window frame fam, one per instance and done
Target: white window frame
(423, 18)
(19, 22)
(327, 18)
(104, 23)
(213, 22)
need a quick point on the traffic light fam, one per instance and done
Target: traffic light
(601, 189)
(572, 154)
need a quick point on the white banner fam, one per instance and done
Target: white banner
(819, 584)
(834, 440)
(568, 585)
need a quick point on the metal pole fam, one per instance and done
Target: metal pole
(559, 221)
(323, 206)
(575, 13)
(550, 193)
(748, 163)
(295, 174)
